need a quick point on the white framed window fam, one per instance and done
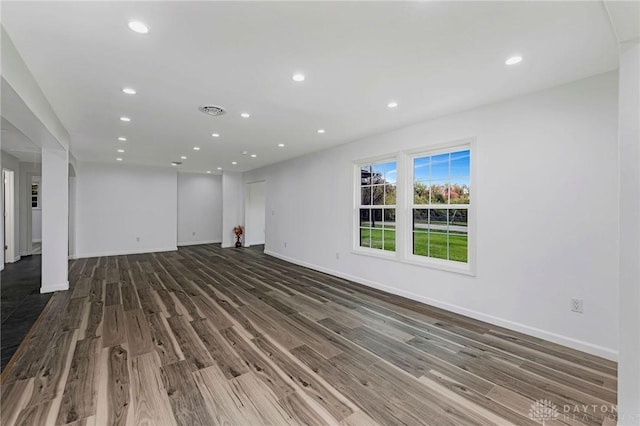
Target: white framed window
(416, 207)
(439, 206)
(376, 206)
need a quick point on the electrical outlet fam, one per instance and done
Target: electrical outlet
(285, 244)
(138, 239)
(193, 233)
(577, 305)
(337, 256)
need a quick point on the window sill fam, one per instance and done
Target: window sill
(463, 269)
(458, 268)
(381, 254)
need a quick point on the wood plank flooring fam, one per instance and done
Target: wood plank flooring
(205, 336)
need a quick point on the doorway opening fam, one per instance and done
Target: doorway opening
(255, 214)
(36, 215)
(10, 254)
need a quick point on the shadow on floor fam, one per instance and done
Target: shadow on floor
(20, 303)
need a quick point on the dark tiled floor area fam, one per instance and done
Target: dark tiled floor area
(20, 303)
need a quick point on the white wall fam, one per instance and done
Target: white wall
(36, 221)
(117, 203)
(548, 159)
(10, 162)
(254, 213)
(629, 362)
(199, 208)
(232, 206)
(72, 217)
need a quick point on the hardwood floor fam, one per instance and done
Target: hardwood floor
(210, 336)
(20, 303)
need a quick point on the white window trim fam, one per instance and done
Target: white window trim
(404, 209)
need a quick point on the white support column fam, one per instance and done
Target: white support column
(629, 291)
(55, 220)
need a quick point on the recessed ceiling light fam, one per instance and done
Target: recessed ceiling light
(215, 135)
(513, 60)
(118, 159)
(183, 157)
(245, 115)
(281, 145)
(208, 171)
(127, 119)
(174, 164)
(121, 139)
(253, 156)
(121, 151)
(392, 105)
(196, 148)
(244, 152)
(298, 77)
(321, 131)
(234, 162)
(218, 168)
(129, 91)
(138, 27)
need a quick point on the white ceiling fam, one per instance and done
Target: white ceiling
(15, 143)
(433, 58)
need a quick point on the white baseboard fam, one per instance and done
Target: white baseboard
(197, 243)
(14, 260)
(123, 252)
(51, 289)
(36, 241)
(570, 342)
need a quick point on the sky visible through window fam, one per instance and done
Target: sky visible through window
(452, 166)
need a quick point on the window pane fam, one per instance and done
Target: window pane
(378, 195)
(438, 245)
(458, 247)
(460, 163)
(389, 240)
(365, 239)
(459, 190)
(421, 169)
(390, 172)
(365, 217)
(438, 220)
(365, 196)
(420, 243)
(365, 175)
(421, 193)
(376, 238)
(458, 221)
(439, 192)
(420, 220)
(389, 195)
(440, 167)
(376, 215)
(390, 218)
(378, 174)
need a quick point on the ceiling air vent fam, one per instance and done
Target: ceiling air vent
(212, 110)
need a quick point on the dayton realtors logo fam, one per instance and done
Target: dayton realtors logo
(543, 411)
